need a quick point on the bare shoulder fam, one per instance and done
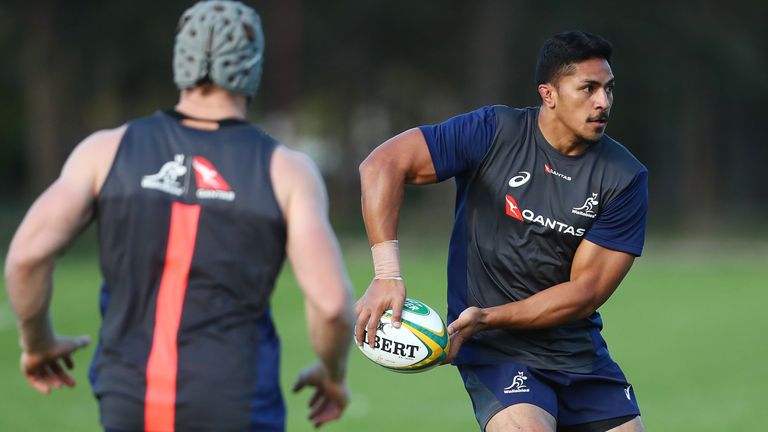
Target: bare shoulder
(294, 174)
(296, 163)
(100, 142)
(291, 168)
(94, 155)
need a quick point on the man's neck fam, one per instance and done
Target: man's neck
(558, 135)
(211, 103)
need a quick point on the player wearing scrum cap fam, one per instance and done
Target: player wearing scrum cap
(550, 214)
(196, 211)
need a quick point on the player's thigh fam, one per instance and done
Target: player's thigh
(521, 417)
(512, 394)
(634, 425)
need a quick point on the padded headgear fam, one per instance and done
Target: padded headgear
(221, 41)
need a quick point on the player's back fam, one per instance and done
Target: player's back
(191, 241)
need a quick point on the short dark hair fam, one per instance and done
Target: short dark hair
(561, 51)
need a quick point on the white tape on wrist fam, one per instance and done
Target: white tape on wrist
(386, 260)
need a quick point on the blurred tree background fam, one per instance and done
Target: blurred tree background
(342, 76)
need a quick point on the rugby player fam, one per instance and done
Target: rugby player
(550, 215)
(196, 211)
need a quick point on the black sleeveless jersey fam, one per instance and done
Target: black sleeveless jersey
(191, 240)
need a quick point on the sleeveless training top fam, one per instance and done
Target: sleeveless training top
(191, 240)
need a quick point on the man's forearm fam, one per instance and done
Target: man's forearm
(595, 275)
(29, 290)
(331, 339)
(382, 190)
(560, 304)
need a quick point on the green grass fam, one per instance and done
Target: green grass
(686, 325)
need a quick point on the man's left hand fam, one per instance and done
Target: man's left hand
(468, 323)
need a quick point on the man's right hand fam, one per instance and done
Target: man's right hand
(43, 367)
(382, 294)
(330, 397)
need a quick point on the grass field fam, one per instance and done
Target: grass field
(686, 325)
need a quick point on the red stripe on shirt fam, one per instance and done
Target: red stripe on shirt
(160, 399)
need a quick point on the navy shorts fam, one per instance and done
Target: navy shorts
(599, 400)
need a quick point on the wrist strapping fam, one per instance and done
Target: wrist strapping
(386, 260)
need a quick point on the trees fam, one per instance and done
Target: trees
(346, 75)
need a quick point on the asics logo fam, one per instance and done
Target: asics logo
(520, 179)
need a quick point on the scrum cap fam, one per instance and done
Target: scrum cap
(221, 41)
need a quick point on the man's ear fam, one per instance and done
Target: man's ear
(548, 94)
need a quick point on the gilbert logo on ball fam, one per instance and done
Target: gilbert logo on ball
(420, 343)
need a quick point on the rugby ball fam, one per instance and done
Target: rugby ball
(420, 343)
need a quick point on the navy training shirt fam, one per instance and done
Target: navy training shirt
(522, 209)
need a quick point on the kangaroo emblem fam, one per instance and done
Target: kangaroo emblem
(588, 208)
(518, 384)
(167, 179)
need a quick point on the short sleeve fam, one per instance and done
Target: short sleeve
(621, 225)
(460, 143)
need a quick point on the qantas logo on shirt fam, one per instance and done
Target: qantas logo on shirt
(549, 170)
(210, 184)
(171, 179)
(513, 210)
